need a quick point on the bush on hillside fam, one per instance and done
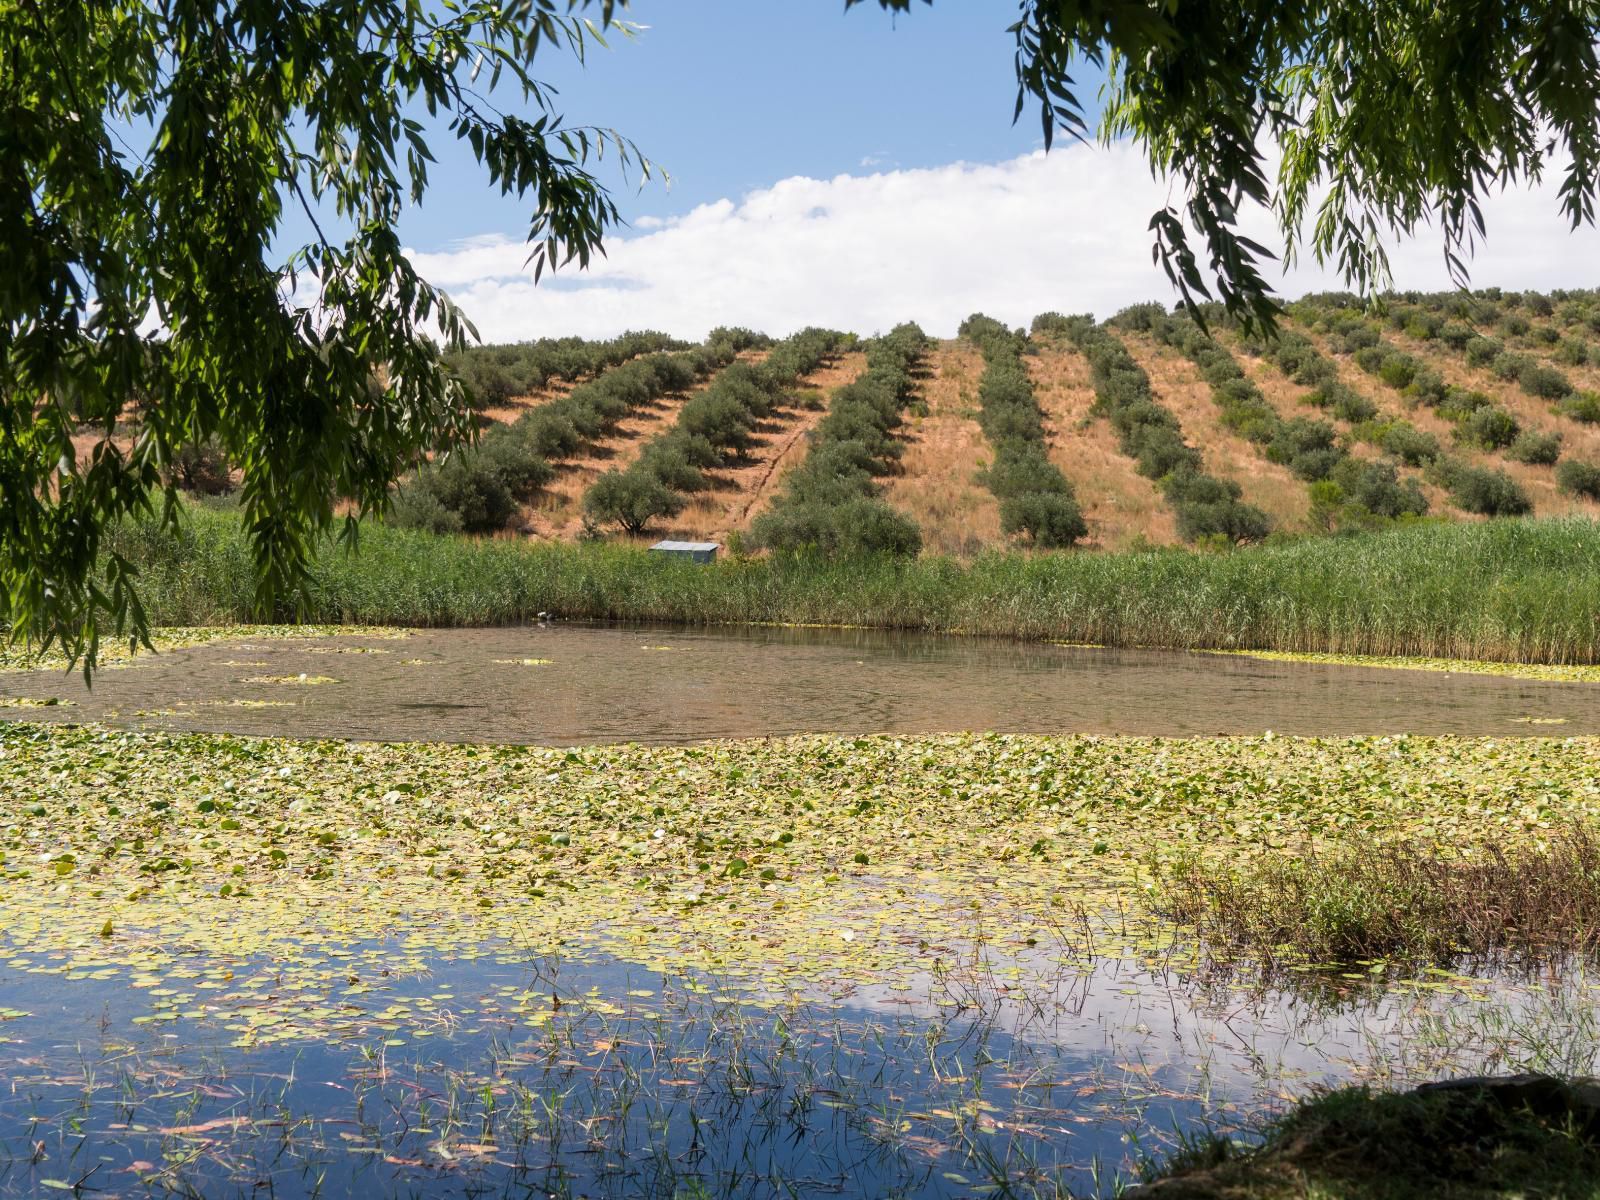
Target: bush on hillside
(1491, 493)
(864, 525)
(1538, 379)
(630, 499)
(1050, 519)
(1581, 406)
(1535, 448)
(1410, 445)
(1579, 478)
(1481, 351)
(1487, 428)
(1377, 488)
(465, 486)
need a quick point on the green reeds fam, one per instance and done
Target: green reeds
(1505, 590)
(1400, 902)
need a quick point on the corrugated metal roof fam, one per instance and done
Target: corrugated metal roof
(687, 546)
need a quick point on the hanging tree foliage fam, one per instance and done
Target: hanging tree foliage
(1380, 116)
(150, 155)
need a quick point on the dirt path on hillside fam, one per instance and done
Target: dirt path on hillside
(1538, 482)
(742, 490)
(1122, 507)
(1284, 396)
(1177, 385)
(936, 485)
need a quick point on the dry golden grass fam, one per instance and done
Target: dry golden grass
(557, 512)
(1122, 507)
(1538, 482)
(1285, 397)
(936, 485)
(1178, 385)
(740, 492)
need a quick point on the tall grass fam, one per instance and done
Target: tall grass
(1508, 590)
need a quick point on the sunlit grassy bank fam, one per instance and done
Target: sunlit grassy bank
(1518, 591)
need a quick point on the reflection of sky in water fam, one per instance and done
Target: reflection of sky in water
(616, 1092)
(623, 684)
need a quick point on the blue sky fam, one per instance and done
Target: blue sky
(855, 170)
(733, 96)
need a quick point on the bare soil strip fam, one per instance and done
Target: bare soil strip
(741, 491)
(1178, 385)
(944, 451)
(1122, 507)
(1538, 482)
(1284, 396)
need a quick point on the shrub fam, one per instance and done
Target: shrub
(1491, 493)
(1515, 324)
(202, 468)
(863, 525)
(667, 459)
(630, 499)
(1359, 337)
(1488, 428)
(1572, 352)
(1229, 519)
(1306, 447)
(1510, 366)
(1371, 359)
(1535, 448)
(1051, 519)
(1579, 478)
(1481, 351)
(466, 486)
(1410, 445)
(1581, 406)
(1538, 379)
(1376, 487)
(1398, 369)
(1456, 336)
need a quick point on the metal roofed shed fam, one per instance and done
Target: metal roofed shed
(700, 552)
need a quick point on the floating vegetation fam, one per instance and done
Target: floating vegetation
(31, 702)
(524, 662)
(15, 657)
(808, 966)
(302, 678)
(1555, 673)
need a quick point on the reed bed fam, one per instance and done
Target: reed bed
(1523, 591)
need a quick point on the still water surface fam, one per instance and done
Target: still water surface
(570, 684)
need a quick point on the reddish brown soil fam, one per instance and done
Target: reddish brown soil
(1122, 507)
(1177, 384)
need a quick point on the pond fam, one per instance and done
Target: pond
(497, 1072)
(576, 684)
(541, 961)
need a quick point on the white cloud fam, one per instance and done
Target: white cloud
(1064, 231)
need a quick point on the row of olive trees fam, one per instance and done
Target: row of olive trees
(1345, 491)
(1480, 424)
(477, 489)
(496, 373)
(713, 428)
(831, 502)
(1036, 499)
(1205, 506)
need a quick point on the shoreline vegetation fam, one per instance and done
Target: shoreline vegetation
(1510, 591)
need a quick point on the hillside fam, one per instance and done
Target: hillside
(1394, 408)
